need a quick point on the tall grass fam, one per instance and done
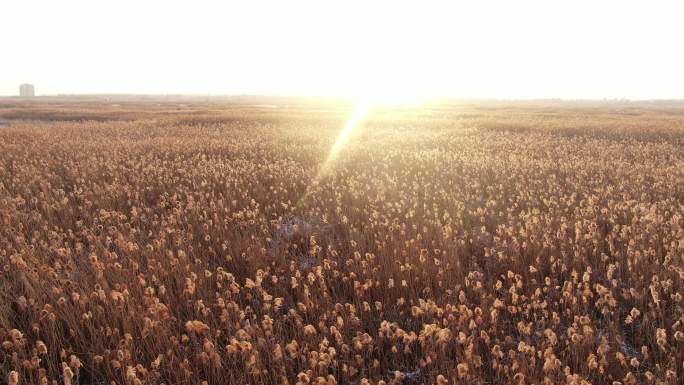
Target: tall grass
(448, 245)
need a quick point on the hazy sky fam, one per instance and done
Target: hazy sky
(505, 49)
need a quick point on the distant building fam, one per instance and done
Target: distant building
(27, 90)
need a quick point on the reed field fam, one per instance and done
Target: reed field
(269, 242)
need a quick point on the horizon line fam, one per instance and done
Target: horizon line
(347, 97)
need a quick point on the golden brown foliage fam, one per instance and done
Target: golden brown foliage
(466, 244)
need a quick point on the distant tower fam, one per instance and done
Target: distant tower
(27, 90)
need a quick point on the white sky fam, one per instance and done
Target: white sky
(503, 49)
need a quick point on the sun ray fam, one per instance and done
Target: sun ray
(361, 111)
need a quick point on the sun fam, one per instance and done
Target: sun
(388, 99)
(405, 89)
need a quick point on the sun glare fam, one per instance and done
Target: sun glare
(364, 107)
(361, 111)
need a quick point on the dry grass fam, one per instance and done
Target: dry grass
(463, 244)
